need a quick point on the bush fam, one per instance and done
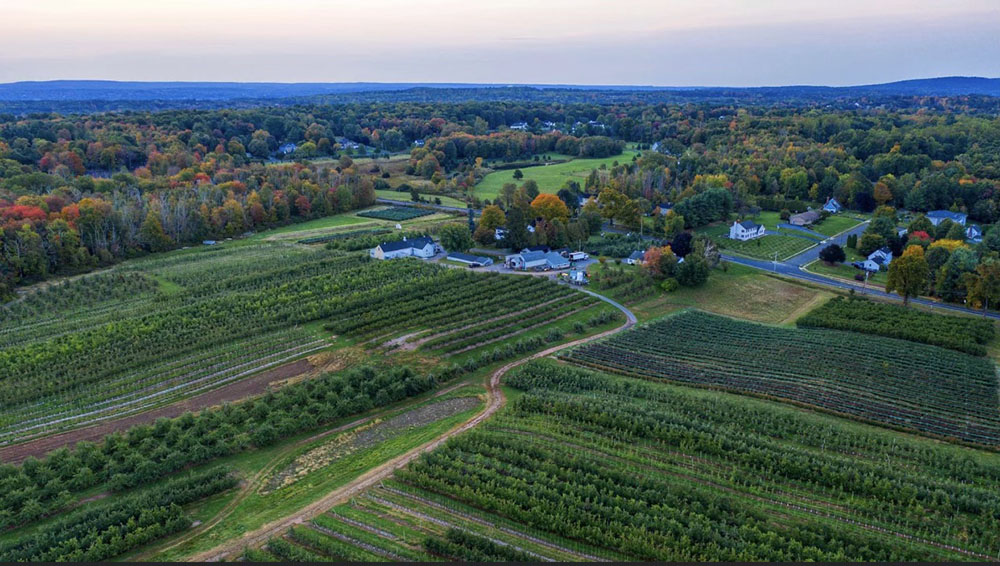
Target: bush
(669, 285)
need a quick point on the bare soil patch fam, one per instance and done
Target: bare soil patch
(255, 385)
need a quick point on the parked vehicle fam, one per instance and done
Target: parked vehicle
(578, 256)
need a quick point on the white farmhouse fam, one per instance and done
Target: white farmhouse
(746, 230)
(422, 247)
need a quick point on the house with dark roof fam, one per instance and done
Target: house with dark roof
(745, 230)
(422, 247)
(832, 206)
(882, 257)
(938, 216)
(635, 257)
(974, 234)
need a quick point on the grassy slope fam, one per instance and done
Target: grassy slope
(739, 291)
(548, 177)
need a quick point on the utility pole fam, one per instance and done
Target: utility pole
(864, 288)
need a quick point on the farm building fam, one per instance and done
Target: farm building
(526, 260)
(536, 260)
(832, 206)
(556, 261)
(803, 218)
(422, 247)
(635, 257)
(746, 230)
(882, 257)
(938, 216)
(471, 260)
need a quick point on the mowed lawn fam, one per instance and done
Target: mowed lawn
(549, 177)
(767, 247)
(787, 244)
(737, 291)
(846, 270)
(836, 224)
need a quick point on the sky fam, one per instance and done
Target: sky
(597, 42)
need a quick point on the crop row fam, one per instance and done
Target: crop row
(883, 319)
(656, 472)
(396, 213)
(895, 382)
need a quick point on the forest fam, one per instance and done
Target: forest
(79, 191)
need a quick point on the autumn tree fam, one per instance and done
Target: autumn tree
(550, 207)
(983, 285)
(908, 274)
(492, 218)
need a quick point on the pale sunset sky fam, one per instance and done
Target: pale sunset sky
(642, 42)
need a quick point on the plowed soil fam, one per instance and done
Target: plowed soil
(254, 385)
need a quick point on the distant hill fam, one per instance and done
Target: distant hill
(102, 96)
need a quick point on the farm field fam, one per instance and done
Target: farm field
(587, 466)
(153, 331)
(549, 177)
(965, 334)
(395, 213)
(892, 382)
(405, 196)
(737, 291)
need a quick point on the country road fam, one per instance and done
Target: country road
(495, 401)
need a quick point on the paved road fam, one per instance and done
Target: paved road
(791, 269)
(812, 254)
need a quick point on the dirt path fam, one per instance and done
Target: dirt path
(236, 391)
(495, 401)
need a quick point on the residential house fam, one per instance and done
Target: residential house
(882, 257)
(746, 230)
(418, 143)
(938, 216)
(974, 233)
(470, 260)
(664, 208)
(832, 206)
(522, 126)
(422, 247)
(286, 148)
(635, 257)
(871, 266)
(803, 218)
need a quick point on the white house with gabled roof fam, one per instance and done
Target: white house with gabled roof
(745, 230)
